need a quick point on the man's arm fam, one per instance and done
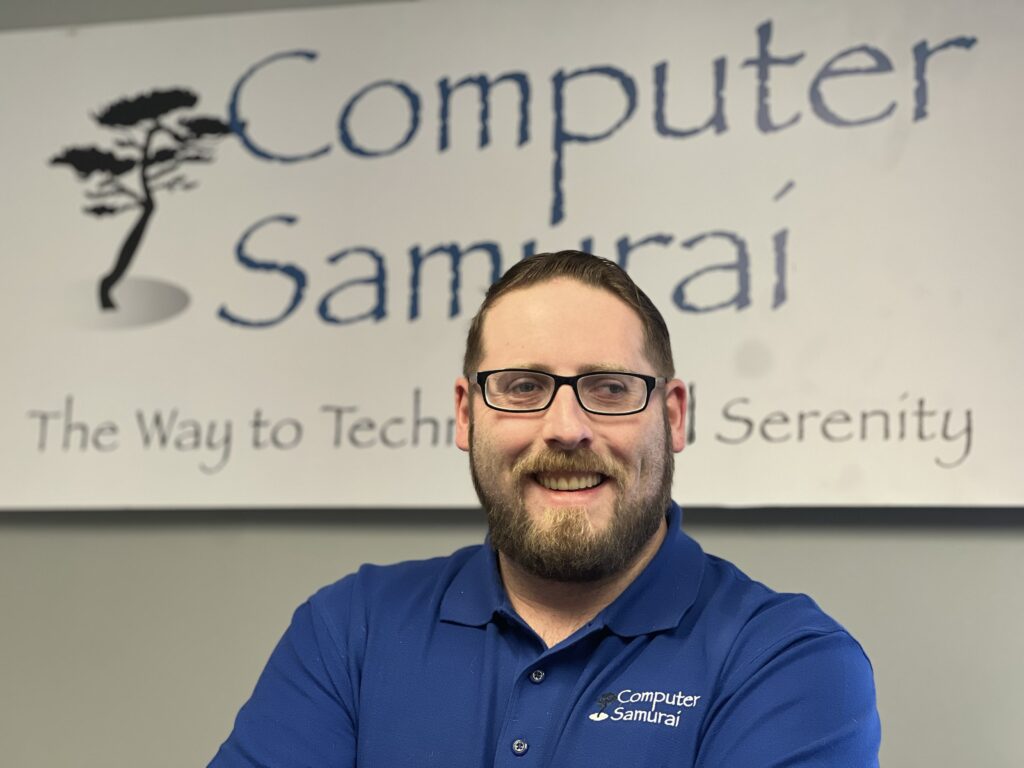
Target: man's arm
(302, 711)
(809, 700)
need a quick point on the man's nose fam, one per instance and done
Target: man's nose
(566, 424)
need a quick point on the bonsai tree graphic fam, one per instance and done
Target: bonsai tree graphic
(149, 153)
(603, 701)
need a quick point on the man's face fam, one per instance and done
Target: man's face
(570, 496)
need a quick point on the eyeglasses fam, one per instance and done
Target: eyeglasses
(608, 393)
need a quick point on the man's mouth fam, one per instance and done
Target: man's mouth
(569, 481)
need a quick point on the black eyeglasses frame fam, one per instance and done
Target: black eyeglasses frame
(572, 381)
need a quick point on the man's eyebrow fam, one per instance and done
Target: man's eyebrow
(590, 368)
(605, 368)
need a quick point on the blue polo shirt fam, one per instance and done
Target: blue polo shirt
(426, 664)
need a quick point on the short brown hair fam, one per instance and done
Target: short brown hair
(590, 270)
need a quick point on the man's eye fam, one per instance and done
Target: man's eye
(608, 390)
(523, 387)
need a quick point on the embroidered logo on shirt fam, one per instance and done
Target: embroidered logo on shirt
(603, 700)
(655, 707)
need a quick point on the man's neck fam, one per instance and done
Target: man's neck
(556, 609)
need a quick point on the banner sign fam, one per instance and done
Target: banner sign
(241, 253)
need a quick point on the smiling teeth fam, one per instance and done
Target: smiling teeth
(568, 483)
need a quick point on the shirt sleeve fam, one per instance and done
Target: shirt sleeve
(302, 711)
(809, 700)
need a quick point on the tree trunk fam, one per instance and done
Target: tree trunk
(124, 258)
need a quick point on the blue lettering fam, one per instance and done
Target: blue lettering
(562, 136)
(922, 52)
(456, 253)
(717, 119)
(881, 63)
(412, 100)
(763, 62)
(484, 86)
(741, 266)
(625, 246)
(297, 276)
(379, 309)
(240, 127)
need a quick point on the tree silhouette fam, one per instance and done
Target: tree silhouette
(605, 700)
(154, 148)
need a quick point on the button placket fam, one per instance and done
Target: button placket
(527, 731)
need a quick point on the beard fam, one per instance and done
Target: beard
(560, 543)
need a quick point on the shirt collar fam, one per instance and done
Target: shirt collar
(664, 591)
(656, 600)
(476, 592)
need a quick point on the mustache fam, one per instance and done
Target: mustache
(579, 460)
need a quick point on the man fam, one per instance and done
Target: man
(589, 631)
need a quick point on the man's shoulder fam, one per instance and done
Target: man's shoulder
(779, 673)
(751, 624)
(394, 587)
(749, 601)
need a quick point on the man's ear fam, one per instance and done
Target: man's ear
(675, 410)
(462, 412)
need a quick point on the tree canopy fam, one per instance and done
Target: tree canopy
(204, 126)
(146, 106)
(88, 160)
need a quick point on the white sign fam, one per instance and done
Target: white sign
(241, 253)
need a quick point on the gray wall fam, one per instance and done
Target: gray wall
(32, 14)
(127, 643)
(133, 644)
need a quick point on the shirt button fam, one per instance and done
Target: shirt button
(519, 747)
(537, 676)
